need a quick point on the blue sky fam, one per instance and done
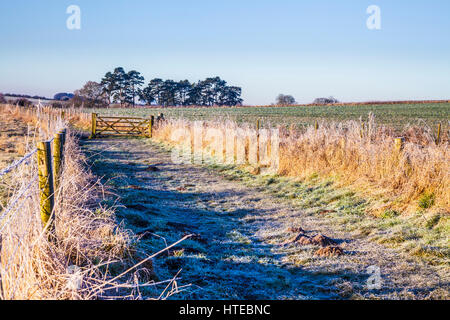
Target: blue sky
(305, 48)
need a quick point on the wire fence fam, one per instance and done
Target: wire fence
(21, 176)
(7, 214)
(17, 163)
(24, 183)
(24, 189)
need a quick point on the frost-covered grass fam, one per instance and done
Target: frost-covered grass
(240, 222)
(396, 116)
(422, 235)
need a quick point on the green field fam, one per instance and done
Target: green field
(396, 116)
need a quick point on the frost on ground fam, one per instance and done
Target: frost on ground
(247, 244)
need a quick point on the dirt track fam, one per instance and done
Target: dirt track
(241, 246)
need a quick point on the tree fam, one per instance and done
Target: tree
(78, 102)
(164, 93)
(122, 87)
(194, 95)
(23, 102)
(183, 89)
(2, 99)
(285, 100)
(212, 89)
(92, 93)
(231, 96)
(63, 96)
(325, 100)
(133, 84)
(167, 93)
(120, 78)
(155, 87)
(109, 86)
(146, 95)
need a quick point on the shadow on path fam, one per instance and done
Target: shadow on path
(226, 258)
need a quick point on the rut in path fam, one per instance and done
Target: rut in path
(241, 246)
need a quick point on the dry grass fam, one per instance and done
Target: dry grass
(12, 142)
(33, 266)
(88, 256)
(15, 136)
(361, 157)
(367, 161)
(396, 116)
(21, 128)
(44, 119)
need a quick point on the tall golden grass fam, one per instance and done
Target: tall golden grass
(361, 157)
(76, 262)
(366, 160)
(46, 119)
(32, 266)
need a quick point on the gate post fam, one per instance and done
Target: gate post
(150, 126)
(93, 125)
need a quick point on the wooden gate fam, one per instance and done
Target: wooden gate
(131, 126)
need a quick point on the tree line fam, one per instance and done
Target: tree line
(127, 89)
(288, 100)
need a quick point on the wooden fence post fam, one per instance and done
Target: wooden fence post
(258, 126)
(46, 188)
(57, 159)
(316, 126)
(63, 133)
(93, 125)
(399, 144)
(150, 126)
(438, 139)
(63, 142)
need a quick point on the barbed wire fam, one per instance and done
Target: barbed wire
(17, 163)
(15, 201)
